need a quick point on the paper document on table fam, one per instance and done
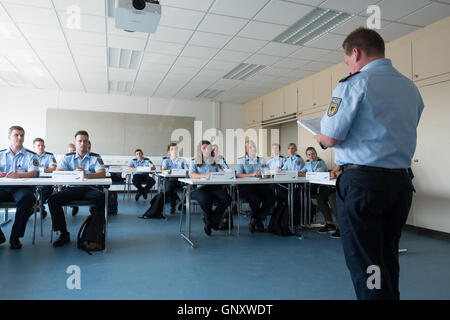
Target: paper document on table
(312, 125)
(13, 179)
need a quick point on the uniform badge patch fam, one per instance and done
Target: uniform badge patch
(334, 106)
(318, 166)
(100, 160)
(54, 160)
(298, 163)
(35, 162)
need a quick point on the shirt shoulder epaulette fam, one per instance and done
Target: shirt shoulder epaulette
(135, 159)
(70, 153)
(2, 150)
(94, 154)
(145, 158)
(30, 151)
(348, 77)
(282, 157)
(49, 153)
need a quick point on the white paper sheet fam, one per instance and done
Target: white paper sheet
(312, 125)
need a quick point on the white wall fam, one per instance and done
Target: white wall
(27, 107)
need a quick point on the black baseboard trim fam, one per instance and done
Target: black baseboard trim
(428, 232)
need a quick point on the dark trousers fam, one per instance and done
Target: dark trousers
(326, 202)
(46, 192)
(24, 198)
(260, 198)
(372, 209)
(206, 196)
(68, 194)
(172, 185)
(140, 179)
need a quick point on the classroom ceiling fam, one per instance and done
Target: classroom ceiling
(197, 44)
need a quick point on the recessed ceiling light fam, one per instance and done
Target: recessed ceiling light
(124, 58)
(243, 71)
(209, 93)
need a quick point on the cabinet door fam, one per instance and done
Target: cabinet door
(305, 94)
(252, 112)
(273, 105)
(430, 52)
(290, 99)
(322, 88)
(338, 72)
(400, 55)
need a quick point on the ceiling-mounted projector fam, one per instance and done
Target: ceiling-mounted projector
(138, 15)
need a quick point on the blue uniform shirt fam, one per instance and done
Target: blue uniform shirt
(294, 163)
(24, 161)
(374, 114)
(178, 163)
(47, 160)
(222, 163)
(146, 162)
(315, 166)
(204, 168)
(90, 163)
(275, 163)
(246, 166)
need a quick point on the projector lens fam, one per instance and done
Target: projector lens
(139, 4)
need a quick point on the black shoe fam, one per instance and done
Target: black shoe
(145, 196)
(259, 226)
(252, 225)
(2, 237)
(336, 234)
(172, 210)
(327, 228)
(207, 227)
(74, 211)
(14, 243)
(138, 195)
(180, 207)
(62, 240)
(92, 210)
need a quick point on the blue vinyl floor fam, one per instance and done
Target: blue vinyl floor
(147, 259)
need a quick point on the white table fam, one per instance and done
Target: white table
(164, 176)
(39, 182)
(235, 182)
(128, 176)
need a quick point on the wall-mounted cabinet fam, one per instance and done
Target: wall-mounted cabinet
(315, 91)
(338, 72)
(290, 99)
(252, 113)
(400, 54)
(273, 105)
(430, 52)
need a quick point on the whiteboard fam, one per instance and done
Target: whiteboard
(114, 133)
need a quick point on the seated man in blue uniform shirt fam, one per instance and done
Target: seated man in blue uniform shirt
(18, 162)
(47, 164)
(277, 160)
(93, 168)
(172, 184)
(140, 178)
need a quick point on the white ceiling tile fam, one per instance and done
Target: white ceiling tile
(32, 15)
(221, 65)
(199, 52)
(309, 2)
(396, 30)
(282, 12)
(262, 78)
(180, 18)
(31, 31)
(8, 29)
(396, 9)
(245, 44)
(229, 55)
(120, 74)
(169, 34)
(126, 43)
(47, 46)
(91, 7)
(262, 59)
(317, 66)
(191, 62)
(201, 5)
(91, 63)
(225, 84)
(150, 79)
(211, 40)
(155, 67)
(188, 71)
(158, 58)
(428, 14)
(32, 3)
(211, 73)
(333, 56)
(143, 91)
(278, 72)
(3, 14)
(87, 22)
(278, 49)
(173, 79)
(307, 53)
(91, 51)
(119, 32)
(262, 30)
(290, 63)
(17, 43)
(351, 6)
(83, 37)
(222, 24)
(328, 41)
(164, 47)
(350, 25)
(246, 9)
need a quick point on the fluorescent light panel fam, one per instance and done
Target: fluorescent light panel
(209, 93)
(243, 71)
(121, 86)
(124, 58)
(312, 26)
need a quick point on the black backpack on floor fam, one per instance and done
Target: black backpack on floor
(91, 236)
(279, 221)
(112, 203)
(156, 208)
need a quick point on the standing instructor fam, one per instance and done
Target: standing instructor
(372, 123)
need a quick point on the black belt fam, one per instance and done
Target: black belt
(368, 168)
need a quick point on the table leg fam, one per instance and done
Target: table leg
(187, 237)
(6, 218)
(310, 204)
(291, 207)
(238, 209)
(106, 191)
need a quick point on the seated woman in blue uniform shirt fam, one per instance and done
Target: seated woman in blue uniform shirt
(314, 163)
(168, 163)
(259, 196)
(201, 167)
